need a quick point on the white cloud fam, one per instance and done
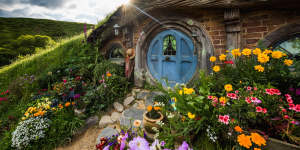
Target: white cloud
(89, 11)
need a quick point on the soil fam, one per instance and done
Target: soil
(86, 141)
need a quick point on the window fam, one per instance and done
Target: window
(169, 45)
(116, 51)
(290, 46)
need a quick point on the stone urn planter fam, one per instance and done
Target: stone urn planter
(274, 144)
(149, 123)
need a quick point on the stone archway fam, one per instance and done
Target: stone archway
(202, 46)
(280, 34)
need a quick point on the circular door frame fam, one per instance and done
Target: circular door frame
(202, 46)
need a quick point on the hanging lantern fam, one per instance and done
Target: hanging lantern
(116, 28)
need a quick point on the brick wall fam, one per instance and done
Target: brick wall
(257, 24)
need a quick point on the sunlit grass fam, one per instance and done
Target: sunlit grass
(37, 63)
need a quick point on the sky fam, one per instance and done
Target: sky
(86, 11)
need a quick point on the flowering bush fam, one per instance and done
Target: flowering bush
(29, 131)
(251, 66)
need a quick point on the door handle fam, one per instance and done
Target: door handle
(167, 58)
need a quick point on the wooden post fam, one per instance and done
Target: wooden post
(232, 28)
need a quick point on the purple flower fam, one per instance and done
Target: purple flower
(76, 96)
(162, 143)
(139, 143)
(298, 91)
(291, 89)
(184, 146)
(106, 147)
(123, 142)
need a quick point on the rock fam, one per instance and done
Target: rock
(140, 104)
(142, 95)
(128, 101)
(115, 116)
(105, 120)
(91, 121)
(106, 132)
(119, 107)
(131, 114)
(79, 112)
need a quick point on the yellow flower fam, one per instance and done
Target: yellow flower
(23, 118)
(223, 100)
(244, 141)
(187, 91)
(183, 118)
(47, 106)
(212, 59)
(246, 52)
(236, 52)
(259, 68)
(149, 108)
(227, 51)
(256, 51)
(228, 87)
(288, 62)
(26, 114)
(263, 58)
(190, 115)
(216, 68)
(53, 108)
(266, 51)
(238, 129)
(284, 54)
(222, 57)
(257, 139)
(277, 54)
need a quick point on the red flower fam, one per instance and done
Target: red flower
(64, 80)
(264, 110)
(283, 110)
(3, 99)
(259, 109)
(286, 117)
(228, 62)
(232, 95)
(289, 100)
(248, 100)
(269, 92)
(291, 106)
(276, 91)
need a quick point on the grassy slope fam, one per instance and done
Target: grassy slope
(12, 28)
(40, 62)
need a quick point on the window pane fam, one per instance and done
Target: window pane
(169, 45)
(291, 46)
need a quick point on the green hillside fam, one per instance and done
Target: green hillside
(12, 44)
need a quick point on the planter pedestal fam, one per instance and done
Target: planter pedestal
(148, 123)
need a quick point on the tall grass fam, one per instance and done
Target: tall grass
(39, 62)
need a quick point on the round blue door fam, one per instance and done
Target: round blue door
(171, 56)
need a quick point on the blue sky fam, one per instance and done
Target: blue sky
(88, 11)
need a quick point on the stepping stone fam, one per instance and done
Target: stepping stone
(91, 121)
(115, 116)
(106, 132)
(131, 114)
(105, 120)
(142, 95)
(119, 107)
(128, 101)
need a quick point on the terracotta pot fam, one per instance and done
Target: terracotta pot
(274, 144)
(148, 123)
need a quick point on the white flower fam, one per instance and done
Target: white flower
(29, 130)
(160, 123)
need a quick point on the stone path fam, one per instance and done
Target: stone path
(133, 108)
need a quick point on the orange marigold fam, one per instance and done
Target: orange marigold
(238, 129)
(108, 74)
(60, 106)
(149, 108)
(257, 139)
(244, 141)
(156, 108)
(257, 148)
(67, 104)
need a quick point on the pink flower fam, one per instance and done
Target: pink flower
(248, 100)
(297, 108)
(276, 91)
(221, 118)
(291, 106)
(269, 92)
(259, 109)
(210, 97)
(286, 117)
(289, 100)
(249, 88)
(64, 80)
(264, 110)
(236, 92)
(226, 119)
(283, 110)
(255, 88)
(232, 95)
(288, 96)
(3, 98)
(295, 122)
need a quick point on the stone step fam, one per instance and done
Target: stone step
(131, 114)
